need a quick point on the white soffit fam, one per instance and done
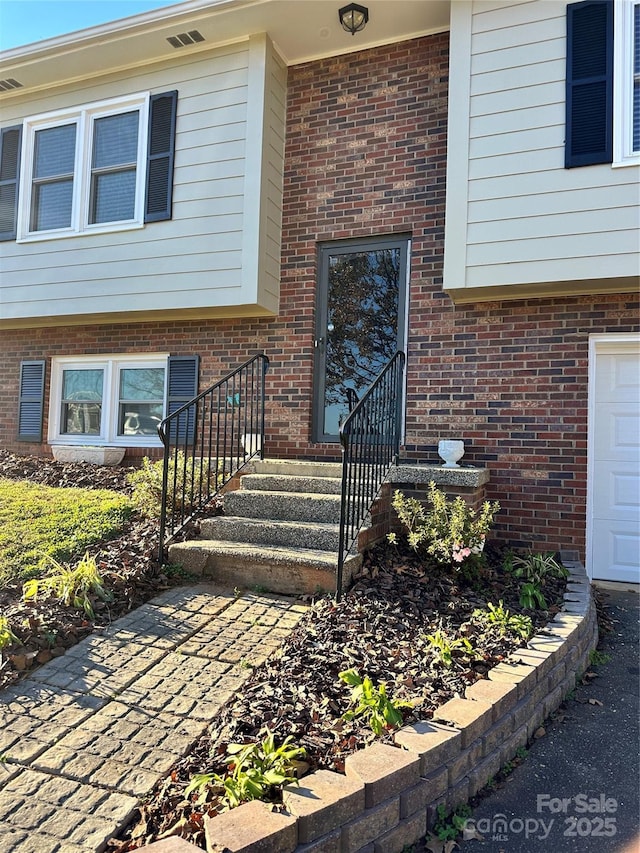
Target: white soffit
(302, 30)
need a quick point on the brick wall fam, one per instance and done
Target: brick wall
(366, 155)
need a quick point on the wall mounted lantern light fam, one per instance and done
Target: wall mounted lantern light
(353, 18)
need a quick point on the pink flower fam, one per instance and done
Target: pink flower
(459, 554)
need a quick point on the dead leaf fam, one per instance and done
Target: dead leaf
(434, 844)
(595, 702)
(176, 829)
(541, 732)
(471, 834)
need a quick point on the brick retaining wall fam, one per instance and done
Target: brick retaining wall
(388, 797)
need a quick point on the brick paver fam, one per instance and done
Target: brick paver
(88, 734)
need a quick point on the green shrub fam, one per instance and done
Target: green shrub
(193, 475)
(38, 522)
(449, 530)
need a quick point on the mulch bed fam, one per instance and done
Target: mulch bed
(381, 628)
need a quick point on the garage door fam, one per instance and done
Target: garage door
(614, 446)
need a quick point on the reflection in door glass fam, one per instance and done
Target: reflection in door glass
(362, 326)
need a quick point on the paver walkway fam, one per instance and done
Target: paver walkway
(89, 733)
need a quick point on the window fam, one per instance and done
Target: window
(82, 393)
(140, 400)
(626, 83)
(603, 83)
(101, 167)
(115, 400)
(83, 170)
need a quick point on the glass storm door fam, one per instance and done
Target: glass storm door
(360, 324)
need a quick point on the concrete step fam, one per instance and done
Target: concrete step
(303, 571)
(261, 531)
(291, 483)
(300, 506)
(297, 468)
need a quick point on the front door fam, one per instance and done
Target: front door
(360, 323)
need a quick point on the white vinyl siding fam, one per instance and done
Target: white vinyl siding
(518, 222)
(205, 261)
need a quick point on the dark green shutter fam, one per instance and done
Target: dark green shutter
(31, 401)
(589, 100)
(182, 386)
(10, 140)
(160, 154)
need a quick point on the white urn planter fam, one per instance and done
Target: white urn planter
(88, 453)
(252, 443)
(450, 450)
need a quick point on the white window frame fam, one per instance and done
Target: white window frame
(111, 364)
(83, 117)
(623, 34)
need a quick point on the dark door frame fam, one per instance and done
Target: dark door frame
(345, 247)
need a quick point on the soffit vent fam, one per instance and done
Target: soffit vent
(184, 39)
(8, 84)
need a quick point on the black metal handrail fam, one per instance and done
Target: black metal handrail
(370, 438)
(207, 441)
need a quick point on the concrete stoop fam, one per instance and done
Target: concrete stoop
(280, 531)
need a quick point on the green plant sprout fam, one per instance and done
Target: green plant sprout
(597, 658)
(517, 624)
(531, 597)
(255, 769)
(536, 568)
(449, 825)
(71, 586)
(443, 647)
(372, 703)
(6, 634)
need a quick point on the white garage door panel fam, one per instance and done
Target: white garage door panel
(615, 553)
(616, 493)
(614, 447)
(617, 378)
(617, 432)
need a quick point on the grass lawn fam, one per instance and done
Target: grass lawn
(38, 522)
